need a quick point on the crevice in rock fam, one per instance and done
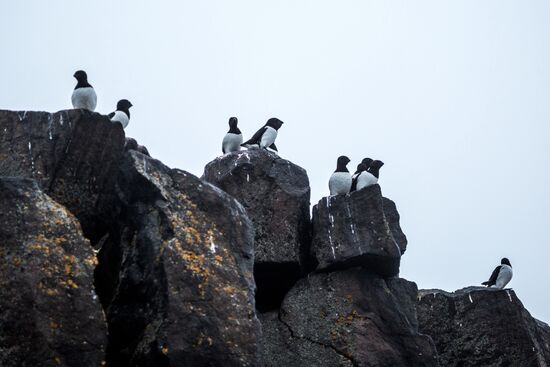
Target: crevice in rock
(273, 281)
(336, 350)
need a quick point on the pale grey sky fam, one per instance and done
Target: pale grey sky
(452, 95)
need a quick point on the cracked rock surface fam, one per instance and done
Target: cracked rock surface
(347, 318)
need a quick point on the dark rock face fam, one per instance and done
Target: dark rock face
(72, 154)
(177, 274)
(49, 313)
(392, 216)
(483, 327)
(346, 318)
(275, 193)
(352, 230)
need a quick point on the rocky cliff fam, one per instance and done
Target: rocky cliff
(108, 257)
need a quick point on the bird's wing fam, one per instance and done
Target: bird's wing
(255, 139)
(493, 279)
(111, 115)
(354, 182)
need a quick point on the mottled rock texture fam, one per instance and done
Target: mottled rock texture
(176, 272)
(346, 318)
(276, 194)
(73, 155)
(352, 230)
(49, 312)
(483, 327)
(392, 216)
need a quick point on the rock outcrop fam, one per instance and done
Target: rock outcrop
(352, 230)
(176, 272)
(276, 194)
(346, 318)
(173, 261)
(49, 312)
(483, 327)
(73, 155)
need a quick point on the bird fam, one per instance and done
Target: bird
(122, 113)
(233, 139)
(361, 167)
(374, 168)
(265, 137)
(340, 181)
(84, 96)
(501, 275)
(370, 176)
(364, 165)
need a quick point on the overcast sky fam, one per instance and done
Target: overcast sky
(452, 95)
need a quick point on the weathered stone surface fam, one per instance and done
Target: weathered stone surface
(49, 313)
(132, 144)
(275, 193)
(72, 154)
(392, 216)
(352, 230)
(346, 318)
(176, 276)
(478, 326)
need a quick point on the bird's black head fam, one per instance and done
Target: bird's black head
(274, 123)
(367, 161)
(361, 167)
(505, 261)
(81, 76)
(123, 105)
(342, 163)
(233, 122)
(374, 168)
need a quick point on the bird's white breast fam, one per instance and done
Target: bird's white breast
(232, 142)
(504, 276)
(268, 137)
(84, 98)
(121, 117)
(339, 183)
(365, 179)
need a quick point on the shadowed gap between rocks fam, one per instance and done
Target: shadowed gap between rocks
(273, 281)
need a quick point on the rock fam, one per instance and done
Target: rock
(72, 154)
(49, 313)
(478, 326)
(281, 348)
(275, 193)
(346, 318)
(352, 230)
(176, 276)
(132, 144)
(392, 216)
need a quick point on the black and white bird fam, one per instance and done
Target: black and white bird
(122, 113)
(340, 181)
(233, 139)
(370, 176)
(501, 275)
(84, 96)
(265, 137)
(363, 166)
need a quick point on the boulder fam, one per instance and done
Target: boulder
(73, 155)
(392, 216)
(275, 193)
(49, 312)
(352, 230)
(176, 272)
(346, 318)
(478, 326)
